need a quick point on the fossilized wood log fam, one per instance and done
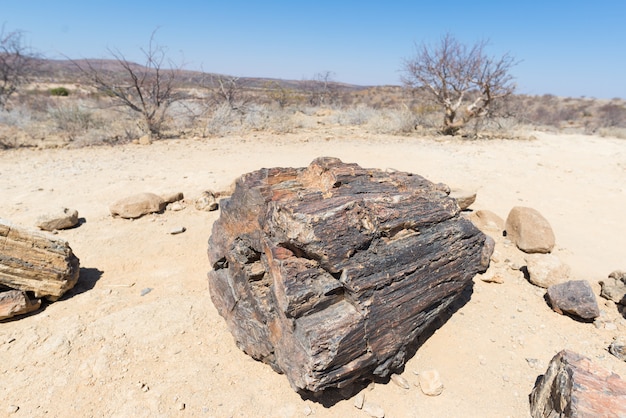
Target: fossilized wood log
(575, 387)
(16, 302)
(36, 262)
(329, 272)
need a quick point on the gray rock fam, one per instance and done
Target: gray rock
(173, 197)
(400, 381)
(529, 230)
(618, 348)
(614, 288)
(63, 219)
(137, 205)
(373, 410)
(207, 202)
(178, 230)
(545, 270)
(575, 298)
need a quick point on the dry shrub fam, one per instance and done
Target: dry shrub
(393, 121)
(613, 132)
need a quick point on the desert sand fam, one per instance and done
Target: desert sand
(110, 348)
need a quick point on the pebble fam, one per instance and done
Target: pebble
(145, 291)
(430, 382)
(178, 230)
(533, 362)
(11, 409)
(181, 406)
(307, 410)
(359, 400)
(373, 410)
(400, 381)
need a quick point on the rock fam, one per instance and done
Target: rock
(32, 261)
(12, 409)
(373, 410)
(430, 383)
(328, 273)
(16, 302)
(173, 197)
(618, 348)
(145, 140)
(529, 230)
(574, 297)
(464, 198)
(175, 207)
(545, 270)
(575, 387)
(137, 205)
(63, 219)
(486, 221)
(359, 399)
(207, 202)
(178, 230)
(400, 381)
(614, 288)
(491, 276)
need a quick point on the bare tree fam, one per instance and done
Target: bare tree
(463, 80)
(16, 64)
(148, 89)
(322, 89)
(229, 90)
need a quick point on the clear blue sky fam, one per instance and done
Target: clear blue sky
(567, 48)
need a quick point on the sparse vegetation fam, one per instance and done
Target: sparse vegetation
(59, 91)
(16, 64)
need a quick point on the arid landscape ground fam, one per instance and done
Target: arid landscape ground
(139, 337)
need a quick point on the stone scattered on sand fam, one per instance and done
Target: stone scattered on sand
(614, 288)
(545, 270)
(400, 381)
(573, 386)
(575, 298)
(491, 276)
(175, 206)
(465, 198)
(359, 399)
(145, 140)
(173, 197)
(36, 262)
(137, 205)
(487, 221)
(618, 348)
(207, 201)
(178, 230)
(63, 219)
(529, 230)
(16, 302)
(373, 410)
(430, 382)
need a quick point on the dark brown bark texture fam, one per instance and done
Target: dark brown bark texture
(329, 272)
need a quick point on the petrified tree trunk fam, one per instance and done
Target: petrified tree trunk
(327, 273)
(16, 302)
(575, 387)
(35, 262)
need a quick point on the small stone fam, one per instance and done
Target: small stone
(178, 230)
(464, 198)
(207, 201)
(545, 270)
(63, 219)
(574, 297)
(373, 410)
(430, 383)
(485, 220)
(533, 362)
(173, 197)
(181, 406)
(137, 205)
(491, 277)
(12, 409)
(400, 381)
(614, 288)
(145, 291)
(145, 140)
(618, 349)
(529, 230)
(359, 400)
(307, 410)
(175, 207)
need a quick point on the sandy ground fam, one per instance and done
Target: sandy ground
(105, 350)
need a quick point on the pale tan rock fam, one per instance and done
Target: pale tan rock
(145, 140)
(487, 221)
(529, 230)
(545, 270)
(63, 219)
(137, 205)
(16, 302)
(400, 381)
(373, 410)
(36, 262)
(207, 201)
(173, 197)
(430, 382)
(465, 198)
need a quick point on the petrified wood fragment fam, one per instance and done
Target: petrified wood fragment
(36, 262)
(575, 387)
(329, 272)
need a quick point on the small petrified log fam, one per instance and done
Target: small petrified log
(16, 302)
(36, 262)
(575, 387)
(329, 272)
